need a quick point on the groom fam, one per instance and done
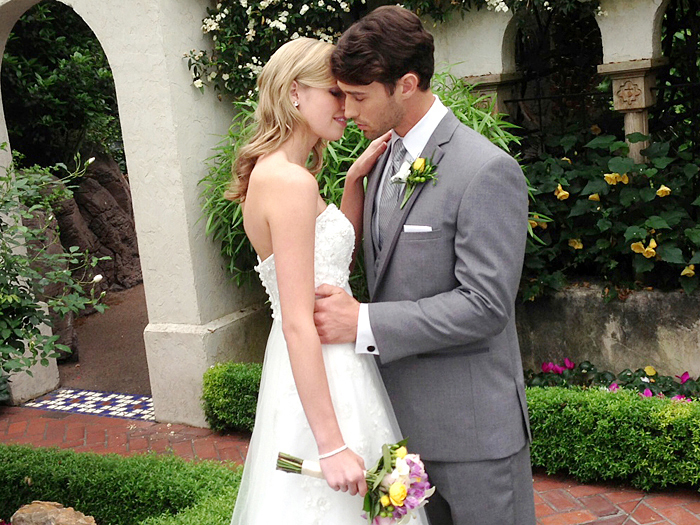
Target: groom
(443, 270)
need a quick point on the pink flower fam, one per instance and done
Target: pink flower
(383, 521)
(674, 398)
(558, 369)
(547, 367)
(569, 364)
(684, 377)
(614, 387)
(647, 393)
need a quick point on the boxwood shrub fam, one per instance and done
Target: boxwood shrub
(590, 433)
(117, 490)
(596, 435)
(230, 395)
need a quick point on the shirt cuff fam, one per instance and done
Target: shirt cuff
(365, 342)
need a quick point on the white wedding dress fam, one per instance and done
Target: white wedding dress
(268, 496)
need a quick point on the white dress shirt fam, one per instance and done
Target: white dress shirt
(414, 141)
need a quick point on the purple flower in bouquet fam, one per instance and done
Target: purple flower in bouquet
(398, 485)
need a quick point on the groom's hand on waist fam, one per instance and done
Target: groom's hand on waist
(335, 315)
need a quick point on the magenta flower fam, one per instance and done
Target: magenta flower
(558, 369)
(569, 364)
(674, 398)
(614, 387)
(547, 367)
(647, 393)
(684, 377)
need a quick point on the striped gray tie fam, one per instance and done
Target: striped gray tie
(390, 191)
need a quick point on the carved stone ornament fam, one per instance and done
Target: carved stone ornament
(628, 94)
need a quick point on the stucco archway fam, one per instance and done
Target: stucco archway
(196, 317)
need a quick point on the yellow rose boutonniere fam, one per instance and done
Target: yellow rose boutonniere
(411, 174)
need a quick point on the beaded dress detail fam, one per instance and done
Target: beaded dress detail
(361, 404)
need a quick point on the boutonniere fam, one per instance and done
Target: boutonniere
(411, 174)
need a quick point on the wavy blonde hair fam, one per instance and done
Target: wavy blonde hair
(308, 62)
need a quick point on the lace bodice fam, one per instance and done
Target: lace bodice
(335, 240)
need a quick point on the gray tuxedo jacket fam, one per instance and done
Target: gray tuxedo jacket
(442, 302)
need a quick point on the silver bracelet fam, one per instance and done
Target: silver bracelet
(332, 452)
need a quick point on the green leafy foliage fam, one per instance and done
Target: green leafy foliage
(57, 88)
(118, 490)
(597, 435)
(631, 225)
(246, 33)
(230, 395)
(29, 263)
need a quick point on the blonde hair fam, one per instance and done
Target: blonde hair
(308, 62)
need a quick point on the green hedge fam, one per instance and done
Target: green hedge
(598, 435)
(590, 433)
(230, 395)
(117, 490)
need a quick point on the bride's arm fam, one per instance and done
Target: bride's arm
(291, 213)
(352, 204)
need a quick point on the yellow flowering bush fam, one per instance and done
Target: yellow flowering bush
(626, 224)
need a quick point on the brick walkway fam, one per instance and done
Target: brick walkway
(558, 500)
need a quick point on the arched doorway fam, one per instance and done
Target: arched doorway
(196, 317)
(60, 107)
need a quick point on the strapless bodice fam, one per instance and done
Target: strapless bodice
(334, 243)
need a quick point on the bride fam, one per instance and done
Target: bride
(315, 401)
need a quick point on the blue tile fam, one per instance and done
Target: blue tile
(108, 404)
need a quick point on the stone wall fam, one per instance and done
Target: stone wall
(655, 328)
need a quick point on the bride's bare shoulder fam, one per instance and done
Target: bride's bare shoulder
(274, 173)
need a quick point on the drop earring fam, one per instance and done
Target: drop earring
(296, 103)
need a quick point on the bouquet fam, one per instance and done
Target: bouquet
(397, 484)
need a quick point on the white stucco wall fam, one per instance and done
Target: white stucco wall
(169, 129)
(631, 30)
(481, 43)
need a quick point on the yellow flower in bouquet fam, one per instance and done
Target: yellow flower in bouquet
(398, 493)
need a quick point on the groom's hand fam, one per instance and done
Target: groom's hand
(335, 315)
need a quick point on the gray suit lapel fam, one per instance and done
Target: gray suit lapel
(433, 151)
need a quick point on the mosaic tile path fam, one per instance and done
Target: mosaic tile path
(558, 500)
(110, 404)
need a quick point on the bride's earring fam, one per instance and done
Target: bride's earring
(296, 103)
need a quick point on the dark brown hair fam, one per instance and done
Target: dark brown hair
(384, 46)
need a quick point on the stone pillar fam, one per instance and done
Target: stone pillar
(633, 93)
(480, 47)
(496, 88)
(631, 34)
